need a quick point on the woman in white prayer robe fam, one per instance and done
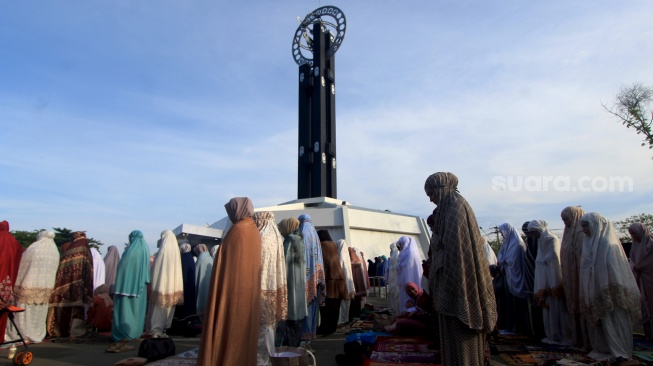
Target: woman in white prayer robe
(548, 288)
(609, 297)
(99, 274)
(34, 284)
(391, 280)
(111, 261)
(345, 262)
(167, 286)
(489, 253)
(409, 267)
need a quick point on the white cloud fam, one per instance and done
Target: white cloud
(131, 116)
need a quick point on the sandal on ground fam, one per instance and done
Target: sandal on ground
(119, 347)
(124, 347)
(112, 347)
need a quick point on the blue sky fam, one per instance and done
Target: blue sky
(128, 115)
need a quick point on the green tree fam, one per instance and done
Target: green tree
(622, 225)
(493, 238)
(631, 106)
(95, 244)
(63, 235)
(495, 244)
(25, 238)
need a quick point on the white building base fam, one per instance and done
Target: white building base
(369, 230)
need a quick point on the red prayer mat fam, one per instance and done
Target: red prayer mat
(404, 351)
(549, 358)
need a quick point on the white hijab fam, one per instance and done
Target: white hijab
(548, 273)
(489, 253)
(37, 271)
(184, 248)
(390, 274)
(99, 275)
(167, 279)
(511, 256)
(345, 262)
(409, 267)
(391, 279)
(214, 250)
(606, 281)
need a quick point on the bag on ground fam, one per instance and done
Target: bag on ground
(156, 348)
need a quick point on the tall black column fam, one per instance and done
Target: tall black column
(316, 175)
(330, 147)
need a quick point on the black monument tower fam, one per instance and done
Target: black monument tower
(316, 173)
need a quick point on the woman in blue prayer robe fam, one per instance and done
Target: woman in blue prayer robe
(315, 280)
(203, 268)
(130, 297)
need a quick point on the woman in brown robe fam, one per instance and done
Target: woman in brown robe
(336, 286)
(73, 290)
(231, 325)
(360, 283)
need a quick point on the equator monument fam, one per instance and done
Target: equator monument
(321, 34)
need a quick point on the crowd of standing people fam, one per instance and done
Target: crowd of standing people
(265, 285)
(271, 284)
(277, 284)
(581, 291)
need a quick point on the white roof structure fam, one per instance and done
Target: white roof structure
(195, 234)
(369, 230)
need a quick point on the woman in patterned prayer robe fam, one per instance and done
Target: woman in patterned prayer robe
(460, 281)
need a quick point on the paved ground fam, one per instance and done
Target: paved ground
(65, 354)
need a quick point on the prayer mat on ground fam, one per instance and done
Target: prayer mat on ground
(405, 357)
(404, 351)
(552, 348)
(191, 353)
(532, 347)
(503, 348)
(356, 326)
(187, 358)
(549, 359)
